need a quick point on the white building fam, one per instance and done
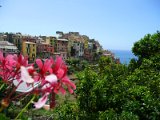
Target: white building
(8, 48)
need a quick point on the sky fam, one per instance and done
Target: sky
(116, 24)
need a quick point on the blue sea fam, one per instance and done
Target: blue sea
(124, 55)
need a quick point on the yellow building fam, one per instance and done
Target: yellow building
(49, 40)
(29, 49)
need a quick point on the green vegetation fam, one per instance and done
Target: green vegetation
(116, 91)
(110, 91)
(75, 65)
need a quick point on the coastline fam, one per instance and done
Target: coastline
(124, 55)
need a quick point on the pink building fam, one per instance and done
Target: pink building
(45, 50)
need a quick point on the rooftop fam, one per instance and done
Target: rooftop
(6, 43)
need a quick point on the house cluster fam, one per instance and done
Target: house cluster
(67, 45)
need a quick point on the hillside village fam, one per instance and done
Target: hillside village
(68, 45)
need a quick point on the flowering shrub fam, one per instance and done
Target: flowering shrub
(41, 78)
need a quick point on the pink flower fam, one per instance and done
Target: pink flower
(57, 64)
(41, 102)
(65, 81)
(55, 79)
(7, 67)
(51, 78)
(71, 86)
(25, 77)
(21, 61)
(60, 70)
(44, 69)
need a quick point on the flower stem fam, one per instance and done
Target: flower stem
(14, 89)
(2, 86)
(25, 107)
(1, 108)
(52, 101)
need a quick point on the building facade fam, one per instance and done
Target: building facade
(8, 48)
(61, 47)
(45, 50)
(29, 49)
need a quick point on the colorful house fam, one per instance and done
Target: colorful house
(45, 50)
(61, 47)
(29, 49)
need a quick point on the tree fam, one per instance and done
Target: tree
(116, 91)
(148, 46)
